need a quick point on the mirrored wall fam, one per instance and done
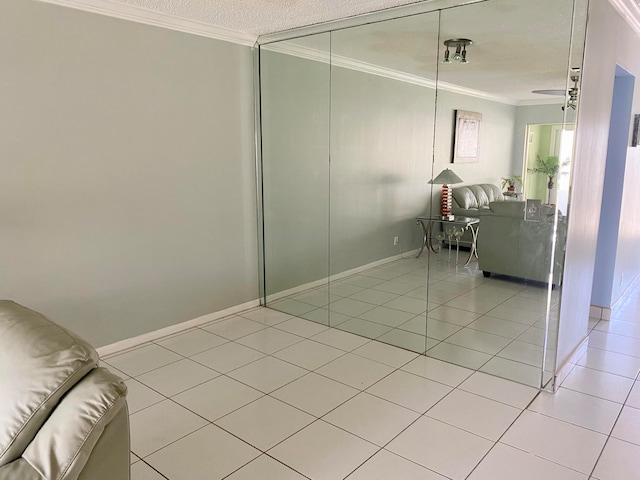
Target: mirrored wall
(358, 124)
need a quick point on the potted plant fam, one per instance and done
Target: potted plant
(550, 167)
(510, 182)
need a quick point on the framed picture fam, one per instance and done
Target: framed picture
(467, 137)
(634, 136)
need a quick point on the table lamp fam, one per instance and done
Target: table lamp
(446, 178)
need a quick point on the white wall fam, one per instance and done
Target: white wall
(127, 183)
(610, 41)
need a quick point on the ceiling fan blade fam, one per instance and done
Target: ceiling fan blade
(550, 92)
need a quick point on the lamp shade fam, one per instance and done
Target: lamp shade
(446, 177)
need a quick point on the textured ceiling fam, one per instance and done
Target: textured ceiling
(259, 17)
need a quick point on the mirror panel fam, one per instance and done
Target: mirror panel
(382, 121)
(295, 102)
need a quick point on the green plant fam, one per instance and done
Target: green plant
(550, 167)
(512, 181)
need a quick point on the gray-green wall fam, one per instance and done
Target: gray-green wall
(127, 183)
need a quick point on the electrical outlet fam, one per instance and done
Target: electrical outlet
(395, 241)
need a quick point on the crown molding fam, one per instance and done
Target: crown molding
(345, 62)
(157, 19)
(630, 12)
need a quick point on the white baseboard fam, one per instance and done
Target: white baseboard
(565, 369)
(338, 276)
(170, 330)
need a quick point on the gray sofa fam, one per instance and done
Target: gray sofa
(510, 245)
(61, 416)
(507, 243)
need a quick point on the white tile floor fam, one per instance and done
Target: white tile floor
(265, 396)
(495, 324)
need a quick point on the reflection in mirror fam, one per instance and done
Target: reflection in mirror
(382, 120)
(481, 288)
(501, 312)
(295, 176)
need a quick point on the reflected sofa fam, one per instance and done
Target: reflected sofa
(507, 243)
(510, 245)
(61, 416)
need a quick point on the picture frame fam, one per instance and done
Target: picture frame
(466, 144)
(634, 135)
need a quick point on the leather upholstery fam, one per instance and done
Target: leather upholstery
(473, 200)
(54, 401)
(510, 245)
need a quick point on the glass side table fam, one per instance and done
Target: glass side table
(452, 230)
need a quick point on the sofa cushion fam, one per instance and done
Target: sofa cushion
(465, 197)
(508, 209)
(39, 362)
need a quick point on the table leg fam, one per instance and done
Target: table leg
(474, 245)
(424, 238)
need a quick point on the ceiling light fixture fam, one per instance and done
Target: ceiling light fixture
(460, 55)
(571, 94)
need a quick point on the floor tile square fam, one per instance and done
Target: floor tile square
(321, 316)
(394, 287)
(177, 377)
(479, 415)
(407, 340)
(208, 453)
(364, 328)
(191, 342)
(266, 316)
(437, 370)
(499, 389)
(560, 442)
(309, 354)
(265, 422)
(611, 362)
(267, 374)
(411, 391)
(291, 306)
(619, 461)
(339, 339)
(355, 371)
(453, 315)
(459, 355)
(315, 394)
(300, 327)
(497, 326)
(348, 306)
(144, 359)
(383, 353)
(323, 452)
(317, 298)
(407, 304)
(140, 396)
(265, 468)
(634, 397)
(218, 397)
(523, 352)
(227, 357)
(270, 340)
(578, 408)
(234, 327)
(628, 426)
(387, 316)
(371, 418)
(362, 281)
(614, 343)
(148, 434)
(601, 384)
(516, 371)
(142, 471)
(480, 341)
(507, 463)
(375, 297)
(442, 448)
(386, 465)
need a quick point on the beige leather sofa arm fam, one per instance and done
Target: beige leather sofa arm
(62, 447)
(19, 469)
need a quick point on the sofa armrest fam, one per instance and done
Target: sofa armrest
(63, 445)
(19, 469)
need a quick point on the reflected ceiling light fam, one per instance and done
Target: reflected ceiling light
(571, 94)
(460, 55)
